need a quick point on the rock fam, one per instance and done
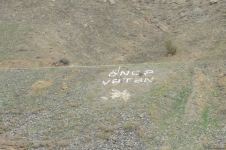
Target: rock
(64, 86)
(213, 2)
(162, 27)
(112, 2)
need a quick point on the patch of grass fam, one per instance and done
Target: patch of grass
(130, 126)
(171, 48)
(207, 120)
(181, 99)
(160, 90)
(3, 128)
(205, 117)
(105, 132)
(50, 144)
(104, 135)
(216, 93)
(140, 132)
(154, 112)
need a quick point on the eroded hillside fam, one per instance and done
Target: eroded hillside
(42, 32)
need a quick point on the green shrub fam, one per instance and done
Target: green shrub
(171, 48)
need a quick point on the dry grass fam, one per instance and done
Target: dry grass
(105, 132)
(130, 126)
(40, 85)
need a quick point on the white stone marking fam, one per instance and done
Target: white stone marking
(116, 81)
(106, 82)
(125, 73)
(148, 80)
(147, 72)
(135, 73)
(118, 76)
(125, 95)
(104, 98)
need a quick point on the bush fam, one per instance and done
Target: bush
(64, 61)
(171, 48)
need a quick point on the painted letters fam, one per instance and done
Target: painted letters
(119, 76)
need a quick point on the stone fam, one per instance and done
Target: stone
(112, 2)
(213, 2)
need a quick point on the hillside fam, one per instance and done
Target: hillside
(112, 74)
(41, 32)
